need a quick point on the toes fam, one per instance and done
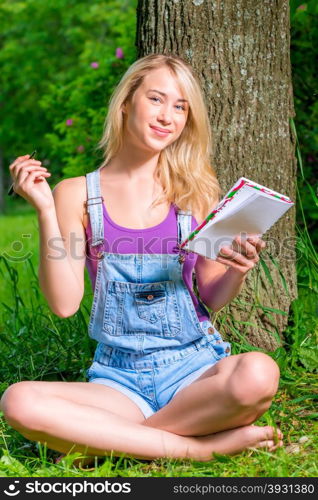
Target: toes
(268, 443)
(272, 433)
(277, 445)
(278, 433)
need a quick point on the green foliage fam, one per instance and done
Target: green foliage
(302, 332)
(47, 77)
(36, 344)
(77, 108)
(304, 55)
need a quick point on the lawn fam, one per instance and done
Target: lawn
(37, 345)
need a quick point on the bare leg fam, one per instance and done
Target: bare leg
(232, 393)
(61, 423)
(80, 392)
(96, 431)
(199, 448)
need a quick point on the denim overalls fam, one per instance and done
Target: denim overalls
(151, 343)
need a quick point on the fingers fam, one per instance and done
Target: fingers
(16, 167)
(243, 248)
(27, 176)
(234, 259)
(257, 242)
(33, 176)
(249, 244)
(21, 170)
(22, 159)
(226, 254)
(242, 269)
(18, 161)
(239, 255)
(24, 172)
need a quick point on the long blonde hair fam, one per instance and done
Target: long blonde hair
(184, 168)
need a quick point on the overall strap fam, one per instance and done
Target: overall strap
(184, 228)
(185, 224)
(94, 205)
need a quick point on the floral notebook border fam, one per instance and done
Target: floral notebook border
(227, 200)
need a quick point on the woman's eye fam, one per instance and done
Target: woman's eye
(180, 107)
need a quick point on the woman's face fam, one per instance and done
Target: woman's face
(156, 113)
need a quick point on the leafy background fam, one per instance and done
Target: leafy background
(60, 60)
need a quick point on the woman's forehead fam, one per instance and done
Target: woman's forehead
(163, 80)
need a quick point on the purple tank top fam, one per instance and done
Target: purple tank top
(157, 239)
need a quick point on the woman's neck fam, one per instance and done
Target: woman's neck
(133, 164)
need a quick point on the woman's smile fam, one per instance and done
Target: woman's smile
(160, 131)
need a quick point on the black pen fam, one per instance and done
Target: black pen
(11, 190)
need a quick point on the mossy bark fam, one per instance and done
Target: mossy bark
(241, 53)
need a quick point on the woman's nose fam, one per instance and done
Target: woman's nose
(165, 115)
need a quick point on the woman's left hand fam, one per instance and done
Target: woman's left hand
(243, 253)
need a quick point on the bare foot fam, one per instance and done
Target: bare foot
(234, 441)
(228, 442)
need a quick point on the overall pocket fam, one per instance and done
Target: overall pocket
(141, 309)
(151, 305)
(221, 348)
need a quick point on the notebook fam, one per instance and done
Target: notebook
(248, 208)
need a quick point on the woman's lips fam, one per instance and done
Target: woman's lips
(159, 131)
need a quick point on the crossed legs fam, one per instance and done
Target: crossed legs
(213, 414)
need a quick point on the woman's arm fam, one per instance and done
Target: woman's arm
(220, 281)
(62, 250)
(221, 284)
(62, 235)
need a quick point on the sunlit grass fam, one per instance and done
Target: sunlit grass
(37, 345)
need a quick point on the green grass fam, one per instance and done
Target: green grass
(293, 410)
(37, 345)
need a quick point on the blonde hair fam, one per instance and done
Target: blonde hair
(184, 169)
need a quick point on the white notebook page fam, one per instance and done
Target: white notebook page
(253, 216)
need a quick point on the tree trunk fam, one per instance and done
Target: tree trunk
(240, 51)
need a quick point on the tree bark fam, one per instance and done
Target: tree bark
(240, 51)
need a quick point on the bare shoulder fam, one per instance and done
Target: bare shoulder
(70, 195)
(76, 185)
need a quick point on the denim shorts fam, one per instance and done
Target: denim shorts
(152, 380)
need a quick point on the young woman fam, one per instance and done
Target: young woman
(162, 382)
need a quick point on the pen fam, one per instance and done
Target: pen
(11, 190)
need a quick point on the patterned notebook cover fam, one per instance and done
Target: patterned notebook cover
(225, 205)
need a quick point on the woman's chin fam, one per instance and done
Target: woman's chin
(154, 148)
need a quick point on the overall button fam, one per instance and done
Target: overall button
(211, 329)
(150, 297)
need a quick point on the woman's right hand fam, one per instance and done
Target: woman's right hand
(29, 181)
